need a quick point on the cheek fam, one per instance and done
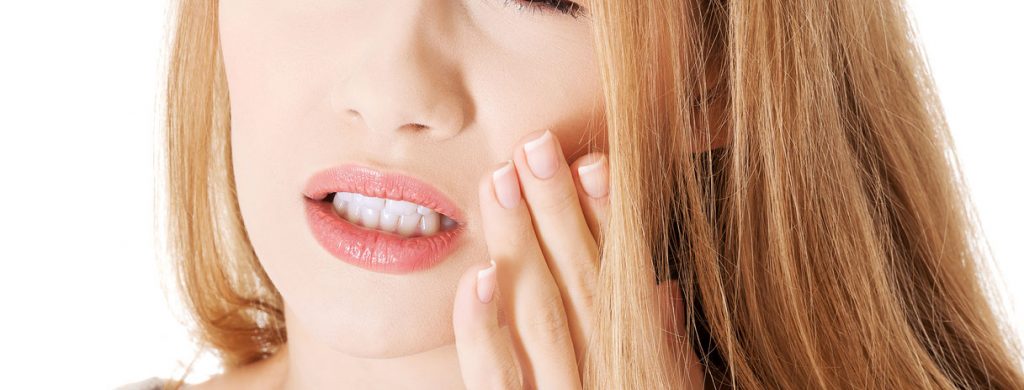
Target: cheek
(573, 114)
(525, 88)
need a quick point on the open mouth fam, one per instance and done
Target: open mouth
(406, 219)
(381, 221)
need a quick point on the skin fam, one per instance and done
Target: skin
(447, 92)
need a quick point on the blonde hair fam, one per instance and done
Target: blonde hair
(829, 244)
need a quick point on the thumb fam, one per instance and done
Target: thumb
(486, 354)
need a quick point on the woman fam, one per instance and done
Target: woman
(556, 194)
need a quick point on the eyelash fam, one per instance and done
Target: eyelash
(562, 6)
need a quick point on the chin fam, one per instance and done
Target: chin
(394, 329)
(367, 314)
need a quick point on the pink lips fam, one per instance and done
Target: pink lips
(372, 249)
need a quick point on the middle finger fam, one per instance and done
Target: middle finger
(564, 236)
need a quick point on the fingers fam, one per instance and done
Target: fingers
(486, 356)
(542, 219)
(591, 176)
(565, 237)
(531, 296)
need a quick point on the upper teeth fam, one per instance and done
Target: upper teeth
(396, 216)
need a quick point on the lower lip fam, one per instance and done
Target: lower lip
(375, 250)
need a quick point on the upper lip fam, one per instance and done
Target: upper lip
(371, 182)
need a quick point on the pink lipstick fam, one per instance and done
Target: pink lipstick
(370, 249)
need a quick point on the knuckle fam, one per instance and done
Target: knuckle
(509, 376)
(549, 324)
(475, 333)
(559, 202)
(520, 235)
(578, 250)
(577, 272)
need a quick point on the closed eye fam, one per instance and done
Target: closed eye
(565, 7)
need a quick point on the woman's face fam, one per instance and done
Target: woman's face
(437, 90)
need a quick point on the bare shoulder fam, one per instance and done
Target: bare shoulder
(264, 374)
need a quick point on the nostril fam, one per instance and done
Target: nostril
(417, 126)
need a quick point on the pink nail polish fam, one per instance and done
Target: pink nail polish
(594, 178)
(506, 186)
(541, 155)
(485, 282)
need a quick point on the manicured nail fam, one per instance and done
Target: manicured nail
(594, 178)
(485, 281)
(506, 186)
(541, 155)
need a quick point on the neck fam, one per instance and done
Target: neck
(311, 364)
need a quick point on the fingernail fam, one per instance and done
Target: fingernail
(541, 155)
(594, 178)
(506, 186)
(485, 281)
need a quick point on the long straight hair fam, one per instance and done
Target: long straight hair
(829, 244)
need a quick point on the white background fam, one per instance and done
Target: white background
(81, 302)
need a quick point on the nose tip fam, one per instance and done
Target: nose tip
(440, 115)
(440, 121)
(409, 79)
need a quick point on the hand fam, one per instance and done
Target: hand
(542, 223)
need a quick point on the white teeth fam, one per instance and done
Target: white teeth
(408, 224)
(424, 210)
(371, 202)
(369, 217)
(394, 216)
(400, 207)
(388, 220)
(429, 223)
(340, 204)
(352, 212)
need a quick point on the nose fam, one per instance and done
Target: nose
(405, 79)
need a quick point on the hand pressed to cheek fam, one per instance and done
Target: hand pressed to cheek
(543, 220)
(537, 232)
(529, 294)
